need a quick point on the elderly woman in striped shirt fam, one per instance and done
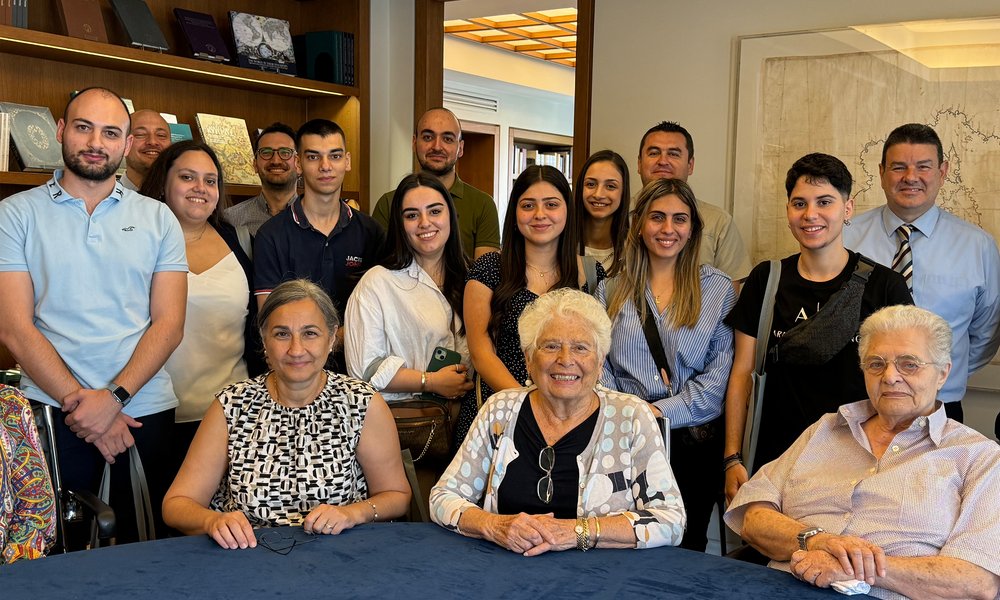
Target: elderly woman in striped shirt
(669, 345)
(888, 490)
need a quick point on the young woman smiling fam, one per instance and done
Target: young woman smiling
(600, 190)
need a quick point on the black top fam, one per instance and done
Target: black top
(796, 396)
(518, 492)
(288, 247)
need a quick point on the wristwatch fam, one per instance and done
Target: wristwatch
(805, 534)
(582, 531)
(119, 393)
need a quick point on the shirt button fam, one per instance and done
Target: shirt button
(871, 470)
(921, 421)
(854, 482)
(895, 448)
(656, 377)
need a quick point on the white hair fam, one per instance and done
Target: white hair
(558, 304)
(895, 318)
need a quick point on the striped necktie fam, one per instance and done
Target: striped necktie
(902, 263)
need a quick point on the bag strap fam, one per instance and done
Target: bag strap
(766, 315)
(656, 346)
(590, 270)
(243, 235)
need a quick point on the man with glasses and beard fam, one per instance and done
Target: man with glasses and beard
(275, 161)
(94, 280)
(438, 144)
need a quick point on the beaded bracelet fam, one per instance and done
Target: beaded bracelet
(374, 510)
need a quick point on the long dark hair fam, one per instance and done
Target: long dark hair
(512, 259)
(399, 253)
(155, 183)
(619, 220)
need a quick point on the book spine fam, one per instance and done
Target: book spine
(4, 141)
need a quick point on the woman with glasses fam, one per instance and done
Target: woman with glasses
(888, 490)
(823, 294)
(669, 345)
(562, 463)
(219, 346)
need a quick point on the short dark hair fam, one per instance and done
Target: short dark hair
(155, 183)
(106, 91)
(913, 133)
(818, 168)
(275, 127)
(669, 127)
(320, 127)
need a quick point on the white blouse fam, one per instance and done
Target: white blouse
(211, 354)
(394, 320)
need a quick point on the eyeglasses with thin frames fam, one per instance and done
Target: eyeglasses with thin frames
(905, 364)
(546, 461)
(281, 542)
(284, 153)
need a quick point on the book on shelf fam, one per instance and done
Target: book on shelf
(179, 132)
(202, 35)
(326, 56)
(229, 138)
(4, 141)
(83, 19)
(263, 43)
(138, 22)
(33, 131)
(6, 12)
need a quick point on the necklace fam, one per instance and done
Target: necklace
(203, 229)
(540, 272)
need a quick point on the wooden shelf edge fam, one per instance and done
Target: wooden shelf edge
(39, 44)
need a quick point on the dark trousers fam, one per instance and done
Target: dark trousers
(953, 410)
(697, 467)
(82, 466)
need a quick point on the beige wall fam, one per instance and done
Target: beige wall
(673, 60)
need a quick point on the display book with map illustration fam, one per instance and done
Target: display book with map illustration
(263, 43)
(202, 35)
(140, 25)
(229, 138)
(33, 131)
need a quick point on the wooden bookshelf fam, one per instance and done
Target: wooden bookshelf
(538, 147)
(42, 67)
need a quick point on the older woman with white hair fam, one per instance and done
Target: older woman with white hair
(562, 463)
(888, 491)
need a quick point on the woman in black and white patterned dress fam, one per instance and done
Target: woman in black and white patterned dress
(297, 446)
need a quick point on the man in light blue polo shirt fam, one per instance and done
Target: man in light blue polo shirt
(951, 266)
(94, 284)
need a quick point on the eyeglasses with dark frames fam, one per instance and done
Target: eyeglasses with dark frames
(284, 153)
(546, 461)
(905, 364)
(282, 542)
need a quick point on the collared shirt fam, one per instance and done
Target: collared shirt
(700, 357)
(253, 213)
(395, 320)
(932, 493)
(127, 183)
(956, 274)
(722, 245)
(477, 216)
(623, 471)
(289, 247)
(91, 276)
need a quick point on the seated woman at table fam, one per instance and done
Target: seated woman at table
(886, 490)
(297, 446)
(219, 346)
(562, 463)
(683, 303)
(27, 502)
(410, 305)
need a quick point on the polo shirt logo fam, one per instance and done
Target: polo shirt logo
(129, 228)
(353, 262)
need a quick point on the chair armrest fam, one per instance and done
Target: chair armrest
(103, 513)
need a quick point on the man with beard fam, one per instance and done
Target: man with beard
(276, 163)
(95, 284)
(437, 143)
(150, 136)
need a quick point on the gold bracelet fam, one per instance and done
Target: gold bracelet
(423, 381)
(374, 510)
(582, 530)
(597, 534)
